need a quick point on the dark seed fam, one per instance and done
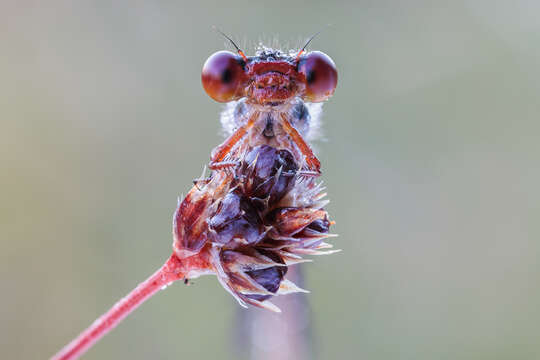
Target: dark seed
(236, 217)
(269, 278)
(260, 181)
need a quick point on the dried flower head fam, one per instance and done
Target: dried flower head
(251, 223)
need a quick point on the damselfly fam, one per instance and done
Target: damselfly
(260, 209)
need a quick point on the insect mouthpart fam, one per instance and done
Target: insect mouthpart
(272, 87)
(268, 131)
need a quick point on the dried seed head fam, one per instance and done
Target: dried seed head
(253, 223)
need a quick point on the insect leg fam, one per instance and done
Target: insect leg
(311, 160)
(219, 153)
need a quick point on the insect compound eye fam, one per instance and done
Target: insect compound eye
(320, 76)
(223, 76)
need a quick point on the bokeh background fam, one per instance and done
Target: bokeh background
(431, 163)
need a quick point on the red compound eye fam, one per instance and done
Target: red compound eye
(320, 76)
(223, 76)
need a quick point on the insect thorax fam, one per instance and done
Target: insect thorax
(305, 117)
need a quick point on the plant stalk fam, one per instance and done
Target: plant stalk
(172, 270)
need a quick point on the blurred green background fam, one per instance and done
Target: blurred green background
(431, 163)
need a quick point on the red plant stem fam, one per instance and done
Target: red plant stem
(172, 270)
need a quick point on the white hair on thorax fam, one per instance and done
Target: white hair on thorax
(313, 132)
(227, 118)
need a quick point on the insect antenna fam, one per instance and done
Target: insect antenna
(240, 52)
(307, 43)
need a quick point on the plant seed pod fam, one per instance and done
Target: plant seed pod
(268, 173)
(236, 218)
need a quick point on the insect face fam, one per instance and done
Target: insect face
(270, 77)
